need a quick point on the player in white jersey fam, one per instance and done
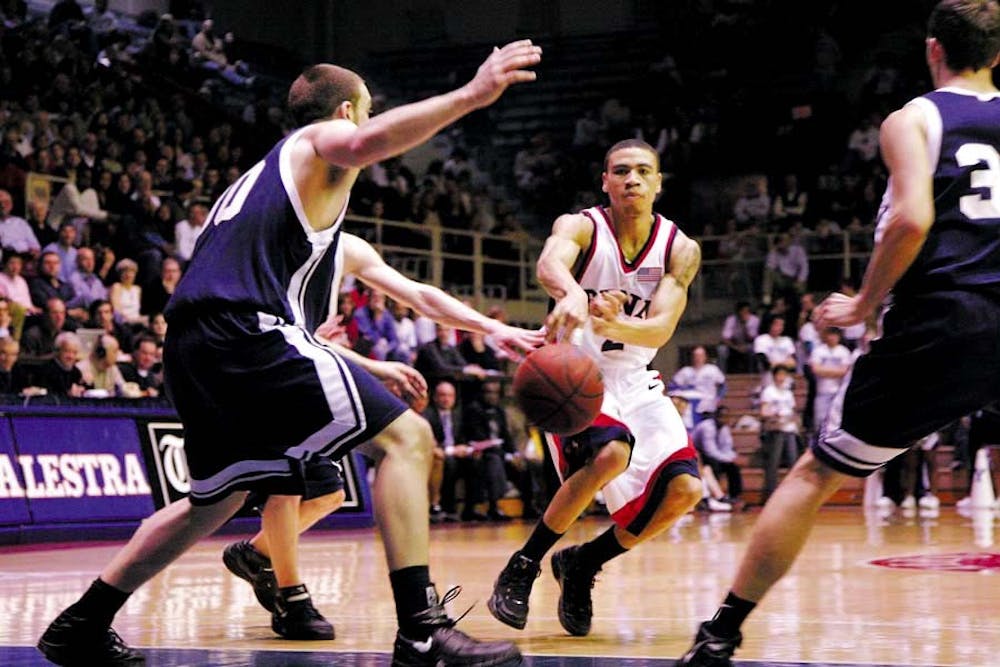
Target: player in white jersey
(621, 274)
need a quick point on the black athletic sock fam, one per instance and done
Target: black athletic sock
(600, 550)
(99, 603)
(729, 618)
(413, 592)
(542, 539)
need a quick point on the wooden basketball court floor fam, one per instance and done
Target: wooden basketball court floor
(939, 603)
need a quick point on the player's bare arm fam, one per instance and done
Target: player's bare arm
(666, 306)
(404, 127)
(361, 260)
(904, 148)
(571, 234)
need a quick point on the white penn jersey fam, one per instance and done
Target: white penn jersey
(604, 268)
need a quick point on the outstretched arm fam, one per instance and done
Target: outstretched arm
(666, 306)
(344, 144)
(570, 235)
(361, 260)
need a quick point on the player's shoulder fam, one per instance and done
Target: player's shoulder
(578, 227)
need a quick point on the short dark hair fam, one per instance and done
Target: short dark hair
(631, 143)
(969, 32)
(319, 90)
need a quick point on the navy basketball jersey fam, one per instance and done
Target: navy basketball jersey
(962, 250)
(258, 253)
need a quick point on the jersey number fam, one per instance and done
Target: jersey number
(985, 175)
(610, 345)
(232, 200)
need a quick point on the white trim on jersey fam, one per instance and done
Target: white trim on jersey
(338, 388)
(934, 128)
(238, 473)
(288, 181)
(984, 97)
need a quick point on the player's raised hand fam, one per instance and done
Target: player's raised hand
(505, 66)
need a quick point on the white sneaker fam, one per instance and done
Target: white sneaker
(885, 502)
(909, 503)
(929, 501)
(718, 506)
(964, 504)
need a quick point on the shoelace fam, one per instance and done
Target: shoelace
(437, 615)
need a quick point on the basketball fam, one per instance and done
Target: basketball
(559, 388)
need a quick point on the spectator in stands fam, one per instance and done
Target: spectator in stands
(125, 295)
(790, 204)
(64, 15)
(453, 457)
(47, 284)
(187, 231)
(713, 438)
(773, 348)
(101, 315)
(779, 428)
(11, 323)
(376, 324)
(13, 376)
(15, 232)
(753, 207)
(863, 140)
(77, 199)
(158, 331)
(736, 354)
(38, 223)
(145, 369)
(65, 248)
(100, 368)
(706, 379)
(38, 342)
(440, 360)
(406, 333)
(87, 285)
(785, 270)
(12, 283)
(476, 352)
(104, 23)
(59, 375)
(487, 431)
(829, 362)
(156, 294)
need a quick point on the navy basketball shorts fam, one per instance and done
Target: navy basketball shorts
(260, 399)
(937, 360)
(323, 476)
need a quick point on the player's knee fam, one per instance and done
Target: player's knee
(686, 490)
(409, 436)
(612, 460)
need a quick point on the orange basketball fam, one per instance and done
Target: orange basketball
(559, 388)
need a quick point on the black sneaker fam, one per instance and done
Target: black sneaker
(709, 650)
(71, 640)
(252, 566)
(449, 646)
(297, 618)
(575, 606)
(509, 602)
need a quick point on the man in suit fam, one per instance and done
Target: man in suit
(453, 457)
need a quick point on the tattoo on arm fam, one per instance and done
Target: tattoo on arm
(686, 263)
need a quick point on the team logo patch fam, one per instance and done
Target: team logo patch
(957, 562)
(649, 274)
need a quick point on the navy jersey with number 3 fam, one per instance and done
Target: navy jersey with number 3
(258, 253)
(962, 250)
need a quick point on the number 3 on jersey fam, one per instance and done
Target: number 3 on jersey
(231, 202)
(985, 175)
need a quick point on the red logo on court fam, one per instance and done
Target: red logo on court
(960, 562)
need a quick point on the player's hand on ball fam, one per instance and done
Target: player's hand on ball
(839, 310)
(570, 313)
(505, 66)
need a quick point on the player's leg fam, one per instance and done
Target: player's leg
(426, 635)
(509, 601)
(82, 633)
(576, 567)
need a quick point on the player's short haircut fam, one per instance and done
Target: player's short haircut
(969, 31)
(319, 90)
(632, 143)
